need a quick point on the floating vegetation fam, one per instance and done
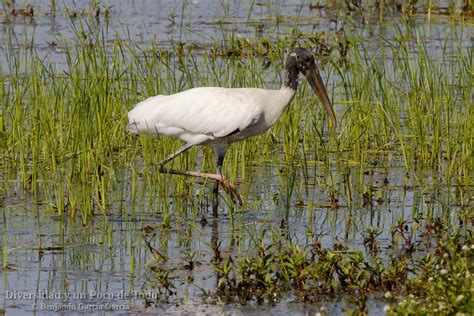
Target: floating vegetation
(313, 272)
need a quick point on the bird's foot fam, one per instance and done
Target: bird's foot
(226, 184)
(231, 189)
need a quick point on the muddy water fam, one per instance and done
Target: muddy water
(102, 267)
(200, 22)
(58, 265)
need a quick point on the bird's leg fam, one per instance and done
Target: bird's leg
(216, 177)
(220, 153)
(215, 199)
(226, 184)
(176, 153)
(211, 176)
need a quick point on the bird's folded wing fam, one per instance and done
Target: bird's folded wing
(208, 112)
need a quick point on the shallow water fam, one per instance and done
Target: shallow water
(113, 260)
(108, 264)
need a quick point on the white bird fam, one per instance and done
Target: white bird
(218, 117)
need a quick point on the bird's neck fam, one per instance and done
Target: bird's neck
(291, 78)
(276, 102)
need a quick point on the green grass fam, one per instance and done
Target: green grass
(311, 272)
(64, 139)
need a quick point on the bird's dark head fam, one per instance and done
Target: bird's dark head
(301, 60)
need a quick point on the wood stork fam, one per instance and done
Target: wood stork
(218, 117)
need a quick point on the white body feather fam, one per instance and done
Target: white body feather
(210, 115)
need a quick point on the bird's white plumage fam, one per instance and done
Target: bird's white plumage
(218, 116)
(210, 115)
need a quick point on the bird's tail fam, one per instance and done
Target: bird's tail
(139, 115)
(132, 127)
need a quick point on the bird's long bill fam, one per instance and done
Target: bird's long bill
(314, 79)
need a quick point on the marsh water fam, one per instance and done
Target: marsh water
(58, 265)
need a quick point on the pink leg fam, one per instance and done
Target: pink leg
(226, 184)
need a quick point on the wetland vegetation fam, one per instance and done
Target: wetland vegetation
(375, 216)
